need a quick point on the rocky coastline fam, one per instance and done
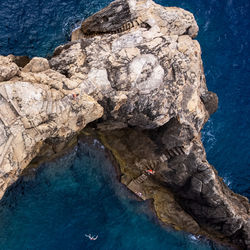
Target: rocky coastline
(132, 76)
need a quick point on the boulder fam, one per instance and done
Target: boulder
(37, 64)
(8, 69)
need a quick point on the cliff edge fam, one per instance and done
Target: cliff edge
(135, 71)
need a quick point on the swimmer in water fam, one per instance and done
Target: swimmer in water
(91, 237)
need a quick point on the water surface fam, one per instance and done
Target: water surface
(78, 195)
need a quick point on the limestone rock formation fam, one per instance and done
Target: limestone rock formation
(35, 107)
(144, 75)
(149, 74)
(8, 68)
(140, 62)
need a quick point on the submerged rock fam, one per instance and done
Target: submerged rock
(140, 62)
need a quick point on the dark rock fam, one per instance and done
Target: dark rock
(210, 100)
(21, 61)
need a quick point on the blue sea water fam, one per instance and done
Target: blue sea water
(76, 195)
(79, 193)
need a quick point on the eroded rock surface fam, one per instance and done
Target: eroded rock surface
(35, 107)
(140, 62)
(144, 75)
(169, 165)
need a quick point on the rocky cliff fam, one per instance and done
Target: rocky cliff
(134, 69)
(36, 104)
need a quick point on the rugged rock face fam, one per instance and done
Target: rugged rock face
(169, 166)
(36, 105)
(146, 73)
(139, 61)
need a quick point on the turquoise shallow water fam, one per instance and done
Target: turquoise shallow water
(65, 201)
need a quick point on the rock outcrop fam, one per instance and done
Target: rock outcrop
(136, 66)
(36, 104)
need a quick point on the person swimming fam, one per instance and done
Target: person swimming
(91, 237)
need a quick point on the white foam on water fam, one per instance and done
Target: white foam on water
(227, 181)
(70, 24)
(194, 238)
(208, 135)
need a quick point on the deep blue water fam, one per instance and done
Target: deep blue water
(63, 202)
(77, 195)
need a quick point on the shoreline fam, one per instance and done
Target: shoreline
(90, 140)
(148, 97)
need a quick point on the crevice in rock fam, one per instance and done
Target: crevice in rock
(21, 61)
(124, 27)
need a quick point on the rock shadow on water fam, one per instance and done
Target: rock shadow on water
(79, 194)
